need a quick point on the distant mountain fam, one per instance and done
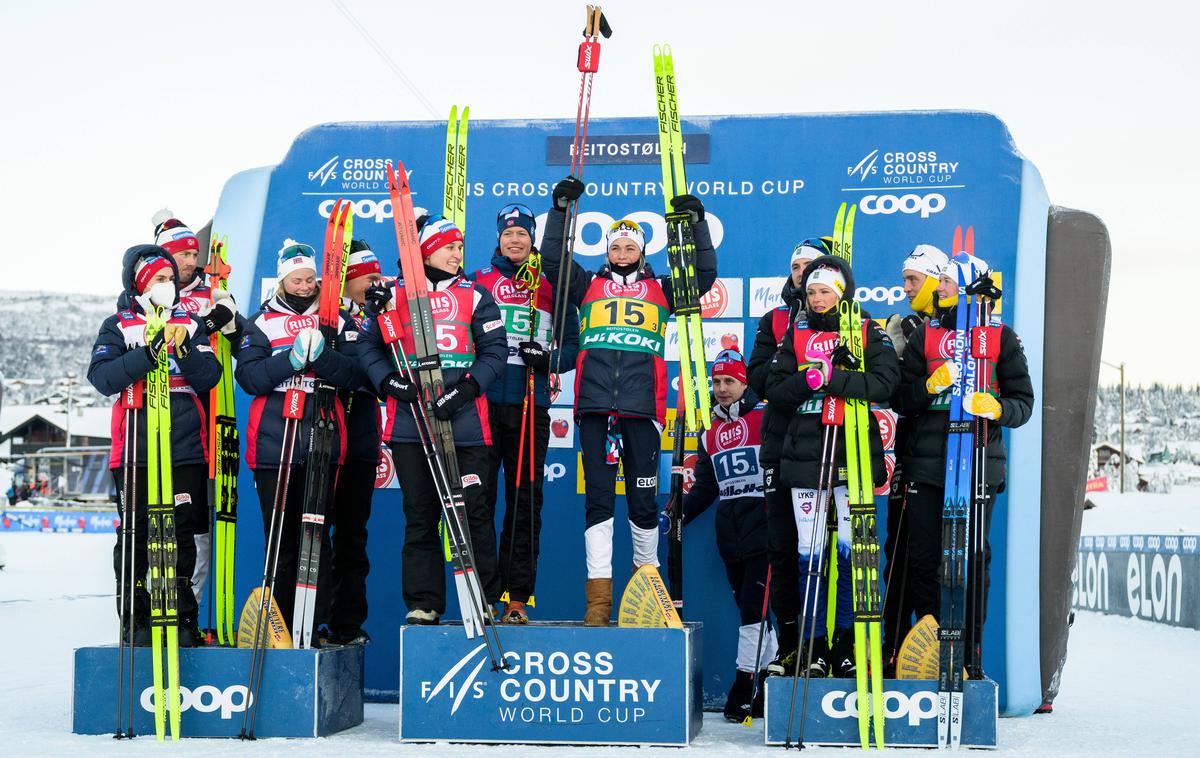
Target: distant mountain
(43, 337)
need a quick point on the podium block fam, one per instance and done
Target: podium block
(910, 706)
(566, 684)
(304, 693)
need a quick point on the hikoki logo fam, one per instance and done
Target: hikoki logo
(636, 291)
(327, 171)
(734, 434)
(206, 699)
(841, 704)
(295, 324)
(541, 687)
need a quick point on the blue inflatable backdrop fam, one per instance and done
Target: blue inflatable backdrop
(767, 182)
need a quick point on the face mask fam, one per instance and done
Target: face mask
(162, 294)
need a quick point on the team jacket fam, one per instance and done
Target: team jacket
(772, 328)
(790, 395)
(470, 338)
(264, 371)
(509, 388)
(923, 455)
(119, 360)
(622, 343)
(728, 468)
(363, 424)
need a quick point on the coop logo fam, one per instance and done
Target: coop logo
(904, 167)
(554, 471)
(840, 704)
(327, 171)
(889, 295)
(886, 205)
(206, 699)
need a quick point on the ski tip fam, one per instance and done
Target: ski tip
(453, 113)
(956, 244)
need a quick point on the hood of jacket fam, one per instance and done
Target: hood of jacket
(134, 254)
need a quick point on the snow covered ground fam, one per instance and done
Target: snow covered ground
(1144, 513)
(56, 594)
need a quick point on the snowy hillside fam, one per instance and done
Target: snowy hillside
(43, 337)
(1162, 433)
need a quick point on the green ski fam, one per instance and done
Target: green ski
(681, 249)
(164, 629)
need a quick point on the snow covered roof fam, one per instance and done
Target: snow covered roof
(85, 422)
(1134, 451)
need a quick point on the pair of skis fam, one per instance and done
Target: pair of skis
(864, 534)
(965, 493)
(319, 473)
(454, 188)
(424, 368)
(164, 589)
(223, 463)
(694, 408)
(588, 62)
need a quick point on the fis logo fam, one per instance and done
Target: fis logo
(865, 167)
(327, 171)
(458, 690)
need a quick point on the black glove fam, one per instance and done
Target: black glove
(156, 345)
(456, 397)
(216, 318)
(395, 385)
(535, 356)
(689, 204)
(841, 357)
(377, 296)
(566, 192)
(983, 285)
(910, 324)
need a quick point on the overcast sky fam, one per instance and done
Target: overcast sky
(113, 110)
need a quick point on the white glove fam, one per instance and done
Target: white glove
(224, 312)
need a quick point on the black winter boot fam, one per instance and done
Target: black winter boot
(818, 666)
(842, 654)
(737, 705)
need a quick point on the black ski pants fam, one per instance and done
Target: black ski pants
(641, 439)
(897, 600)
(522, 525)
(424, 560)
(924, 517)
(190, 484)
(350, 565)
(265, 481)
(783, 555)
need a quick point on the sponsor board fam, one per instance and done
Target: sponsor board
(304, 693)
(718, 336)
(765, 294)
(1152, 577)
(910, 707)
(90, 522)
(723, 299)
(619, 149)
(562, 428)
(564, 684)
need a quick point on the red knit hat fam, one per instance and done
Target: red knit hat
(437, 233)
(146, 268)
(171, 234)
(729, 363)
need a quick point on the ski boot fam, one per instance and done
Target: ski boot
(818, 666)
(599, 602)
(422, 618)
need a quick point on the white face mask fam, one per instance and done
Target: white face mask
(162, 294)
